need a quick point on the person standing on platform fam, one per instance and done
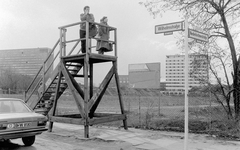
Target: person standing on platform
(103, 32)
(86, 16)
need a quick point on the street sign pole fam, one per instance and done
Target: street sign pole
(186, 87)
(168, 29)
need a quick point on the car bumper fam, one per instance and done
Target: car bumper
(22, 133)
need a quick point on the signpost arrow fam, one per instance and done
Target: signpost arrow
(197, 35)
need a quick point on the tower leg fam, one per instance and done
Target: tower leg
(120, 96)
(86, 130)
(55, 100)
(86, 97)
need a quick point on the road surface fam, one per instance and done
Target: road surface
(70, 137)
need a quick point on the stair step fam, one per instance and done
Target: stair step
(63, 78)
(62, 85)
(49, 91)
(40, 110)
(46, 97)
(73, 69)
(73, 72)
(45, 102)
(45, 105)
(73, 64)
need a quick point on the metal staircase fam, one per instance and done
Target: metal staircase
(46, 98)
(42, 90)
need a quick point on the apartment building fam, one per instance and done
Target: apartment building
(24, 61)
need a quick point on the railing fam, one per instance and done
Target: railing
(45, 71)
(64, 41)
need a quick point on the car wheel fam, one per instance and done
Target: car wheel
(28, 141)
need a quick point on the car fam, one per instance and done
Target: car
(17, 120)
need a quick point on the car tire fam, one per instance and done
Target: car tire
(28, 141)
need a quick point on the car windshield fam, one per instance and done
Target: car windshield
(13, 106)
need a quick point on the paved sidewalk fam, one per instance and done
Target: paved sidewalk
(148, 140)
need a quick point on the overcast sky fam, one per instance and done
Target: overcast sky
(34, 23)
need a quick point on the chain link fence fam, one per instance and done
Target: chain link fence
(150, 109)
(166, 112)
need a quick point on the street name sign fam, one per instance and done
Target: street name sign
(197, 35)
(170, 27)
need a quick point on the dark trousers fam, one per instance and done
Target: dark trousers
(83, 42)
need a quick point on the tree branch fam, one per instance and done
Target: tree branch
(230, 7)
(220, 33)
(213, 35)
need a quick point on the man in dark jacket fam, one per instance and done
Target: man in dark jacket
(86, 16)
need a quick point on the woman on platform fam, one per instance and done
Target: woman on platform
(103, 32)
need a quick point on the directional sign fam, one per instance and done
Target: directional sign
(162, 28)
(197, 35)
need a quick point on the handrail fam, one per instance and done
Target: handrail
(103, 40)
(77, 23)
(26, 100)
(26, 91)
(76, 40)
(50, 55)
(112, 28)
(34, 79)
(73, 48)
(52, 50)
(52, 62)
(73, 24)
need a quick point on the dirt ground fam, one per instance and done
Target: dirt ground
(48, 141)
(70, 137)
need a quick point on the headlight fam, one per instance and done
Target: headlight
(3, 127)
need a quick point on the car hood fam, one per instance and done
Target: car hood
(9, 117)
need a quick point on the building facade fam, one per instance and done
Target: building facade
(24, 61)
(144, 75)
(175, 78)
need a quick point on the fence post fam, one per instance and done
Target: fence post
(159, 102)
(25, 96)
(139, 110)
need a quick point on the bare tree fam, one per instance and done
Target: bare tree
(23, 82)
(10, 79)
(220, 19)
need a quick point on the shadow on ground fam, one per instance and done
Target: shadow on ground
(8, 145)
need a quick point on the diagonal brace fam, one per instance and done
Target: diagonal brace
(95, 100)
(73, 89)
